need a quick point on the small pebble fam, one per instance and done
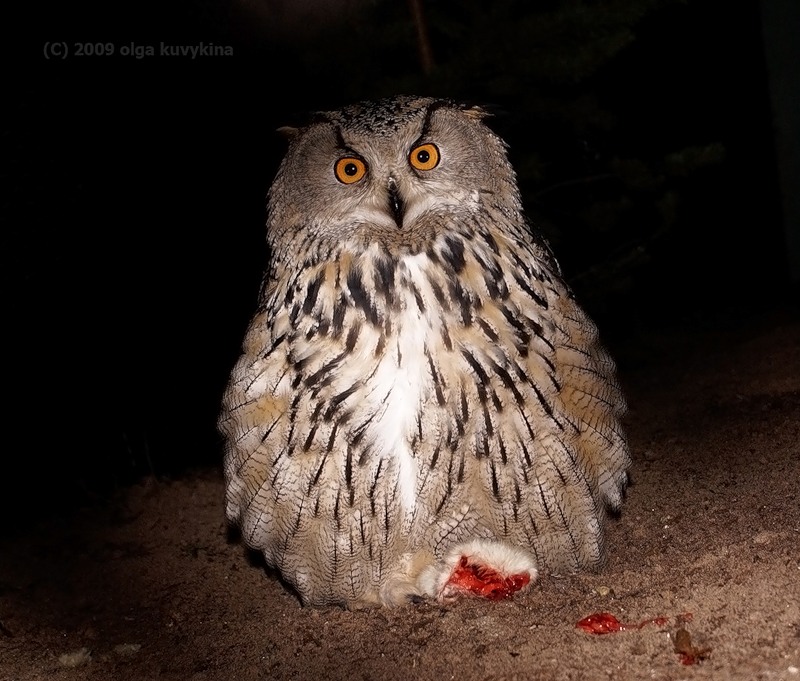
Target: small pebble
(76, 658)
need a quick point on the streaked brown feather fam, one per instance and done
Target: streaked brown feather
(515, 434)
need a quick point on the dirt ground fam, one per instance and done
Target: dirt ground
(153, 587)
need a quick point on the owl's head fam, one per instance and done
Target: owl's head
(394, 171)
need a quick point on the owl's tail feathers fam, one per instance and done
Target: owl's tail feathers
(479, 568)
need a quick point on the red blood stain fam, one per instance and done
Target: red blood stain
(486, 582)
(606, 623)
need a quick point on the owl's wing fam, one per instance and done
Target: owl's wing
(524, 439)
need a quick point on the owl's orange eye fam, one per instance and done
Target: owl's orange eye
(424, 157)
(350, 169)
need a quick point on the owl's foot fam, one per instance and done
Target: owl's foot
(479, 568)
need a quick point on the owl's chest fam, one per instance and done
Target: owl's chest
(393, 392)
(371, 323)
(361, 362)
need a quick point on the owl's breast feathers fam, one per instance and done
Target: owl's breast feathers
(388, 406)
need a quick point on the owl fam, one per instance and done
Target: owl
(421, 408)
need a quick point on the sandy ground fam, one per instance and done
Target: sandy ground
(153, 587)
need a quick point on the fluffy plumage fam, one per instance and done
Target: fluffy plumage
(418, 377)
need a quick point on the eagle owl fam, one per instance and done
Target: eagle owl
(421, 408)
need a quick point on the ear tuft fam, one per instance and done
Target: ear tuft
(288, 132)
(477, 113)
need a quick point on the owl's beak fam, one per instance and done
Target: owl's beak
(396, 202)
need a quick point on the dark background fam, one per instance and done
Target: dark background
(643, 132)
